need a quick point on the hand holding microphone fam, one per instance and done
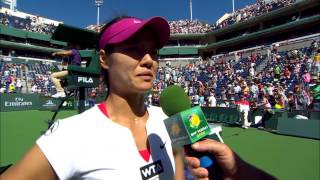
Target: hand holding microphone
(186, 125)
(206, 158)
(227, 161)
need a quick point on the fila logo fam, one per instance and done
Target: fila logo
(151, 170)
(85, 80)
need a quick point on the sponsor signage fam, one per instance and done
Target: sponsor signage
(87, 80)
(21, 102)
(16, 102)
(48, 103)
(68, 104)
(84, 81)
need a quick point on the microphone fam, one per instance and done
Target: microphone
(185, 125)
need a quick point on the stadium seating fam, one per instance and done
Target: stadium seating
(240, 15)
(29, 23)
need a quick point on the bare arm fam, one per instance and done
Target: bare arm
(34, 165)
(62, 53)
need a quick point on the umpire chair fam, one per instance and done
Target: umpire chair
(79, 78)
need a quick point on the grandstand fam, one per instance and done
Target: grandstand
(241, 46)
(25, 21)
(241, 54)
(264, 29)
(237, 45)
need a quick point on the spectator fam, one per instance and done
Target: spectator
(306, 78)
(12, 88)
(201, 100)
(300, 102)
(34, 88)
(280, 100)
(251, 72)
(149, 99)
(92, 98)
(316, 64)
(267, 111)
(224, 103)
(8, 81)
(254, 90)
(315, 91)
(195, 99)
(291, 101)
(232, 103)
(18, 85)
(243, 109)
(314, 47)
(277, 72)
(212, 100)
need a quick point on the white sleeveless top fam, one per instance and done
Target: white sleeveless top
(91, 146)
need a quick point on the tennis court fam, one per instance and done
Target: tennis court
(285, 157)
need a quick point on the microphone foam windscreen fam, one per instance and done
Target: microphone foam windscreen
(173, 100)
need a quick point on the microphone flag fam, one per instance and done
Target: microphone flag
(187, 127)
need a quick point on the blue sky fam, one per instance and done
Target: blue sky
(82, 13)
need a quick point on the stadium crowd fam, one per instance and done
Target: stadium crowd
(10, 77)
(240, 15)
(188, 26)
(39, 76)
(33, 24)
(283, 83)
(14, 77)
(253, 10)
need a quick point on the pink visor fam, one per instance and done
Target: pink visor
(127, 27)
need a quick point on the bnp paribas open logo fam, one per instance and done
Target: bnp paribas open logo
(194, 121)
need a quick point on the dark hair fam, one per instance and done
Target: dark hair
(108, 48)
